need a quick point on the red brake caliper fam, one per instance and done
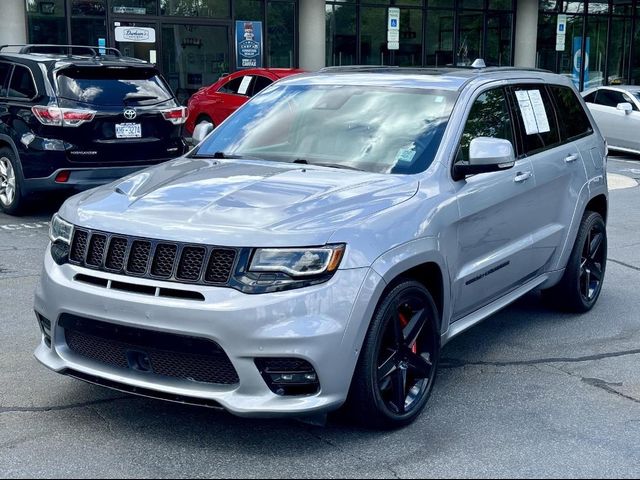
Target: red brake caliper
(404, 322)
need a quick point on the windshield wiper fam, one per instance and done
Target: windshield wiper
(225, 156)
(139, 98)
(330, 165)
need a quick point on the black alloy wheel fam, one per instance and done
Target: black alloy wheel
(398, 363)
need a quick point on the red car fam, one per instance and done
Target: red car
(215, 103)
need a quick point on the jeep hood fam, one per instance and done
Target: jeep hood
(237, 202)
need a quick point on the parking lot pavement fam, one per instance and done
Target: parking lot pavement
(530, 392)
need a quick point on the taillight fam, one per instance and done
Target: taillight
(177, 116)
(62, 117)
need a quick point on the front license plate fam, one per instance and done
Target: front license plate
(128, 130)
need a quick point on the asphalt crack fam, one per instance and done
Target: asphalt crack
(450, 363)
(58, 408)
(637, 269)
(607, 387)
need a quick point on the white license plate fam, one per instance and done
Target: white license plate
(128, 130)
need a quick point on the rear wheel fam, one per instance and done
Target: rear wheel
(11, 200)
(397, 365)
(581, 284)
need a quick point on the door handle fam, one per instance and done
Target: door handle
(571, 158)
(522, 177)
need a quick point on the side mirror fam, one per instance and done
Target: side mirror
(626, 107)
(486, 154)
(201, 131)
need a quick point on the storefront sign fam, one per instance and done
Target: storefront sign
(130, 10)
(248, 44)
(135, 34)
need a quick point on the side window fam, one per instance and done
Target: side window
(609, 98)
(5, 71)
(231, 86)
(489, 117)
(260, 84)
(536, 118)
(628, 99)
(591, 98)
(22, 83)
(575, 122)
(237, 86)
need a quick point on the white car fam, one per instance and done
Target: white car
(616, 111)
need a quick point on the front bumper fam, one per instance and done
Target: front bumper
(323, 324)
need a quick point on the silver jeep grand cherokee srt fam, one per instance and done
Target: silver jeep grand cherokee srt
(321, 246)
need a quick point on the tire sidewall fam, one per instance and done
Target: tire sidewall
(589, 220)
(378, 328)
(13, 207)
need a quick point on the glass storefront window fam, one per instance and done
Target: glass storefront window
(439, 42)
(46, 21)
(598, 7)
(622, 7)
(134, 7)
(373, 38)
(88, 22)
(470, 38)
(499, 29)
(341, 35)
(193, 56)
(618, 51)
(196, 8)
(564, 61)
(248, 10)
(500, 5)
(594, 61)
(281, 20)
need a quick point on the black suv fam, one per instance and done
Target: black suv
(75, 117)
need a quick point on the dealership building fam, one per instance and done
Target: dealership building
(195, 41)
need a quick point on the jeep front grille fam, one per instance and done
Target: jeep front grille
(154, 259)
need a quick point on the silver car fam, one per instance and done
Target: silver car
(616, 111)
(319, 248)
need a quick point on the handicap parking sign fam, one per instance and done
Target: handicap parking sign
(394, 23)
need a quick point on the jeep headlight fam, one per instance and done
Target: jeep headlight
(277, 269)
(60, 230)
(60, 234)
(298, 262)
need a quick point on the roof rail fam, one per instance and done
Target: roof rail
(92, 51)
(355, 68)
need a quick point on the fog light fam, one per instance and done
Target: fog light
(288, 376)
(60, 252)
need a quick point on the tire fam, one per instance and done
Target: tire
(203, 119)
(581, 285)
(383, 367)
(11, 184)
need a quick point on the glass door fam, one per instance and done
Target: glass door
(137, 40)
(194, 56)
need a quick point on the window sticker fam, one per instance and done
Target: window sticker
(244, 86)
(539, 111)
(405, 155)
(526, 109)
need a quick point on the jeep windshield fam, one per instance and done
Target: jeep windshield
(113, 86)
(375, 129)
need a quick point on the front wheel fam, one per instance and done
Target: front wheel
(398, 362)
(581, 284)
